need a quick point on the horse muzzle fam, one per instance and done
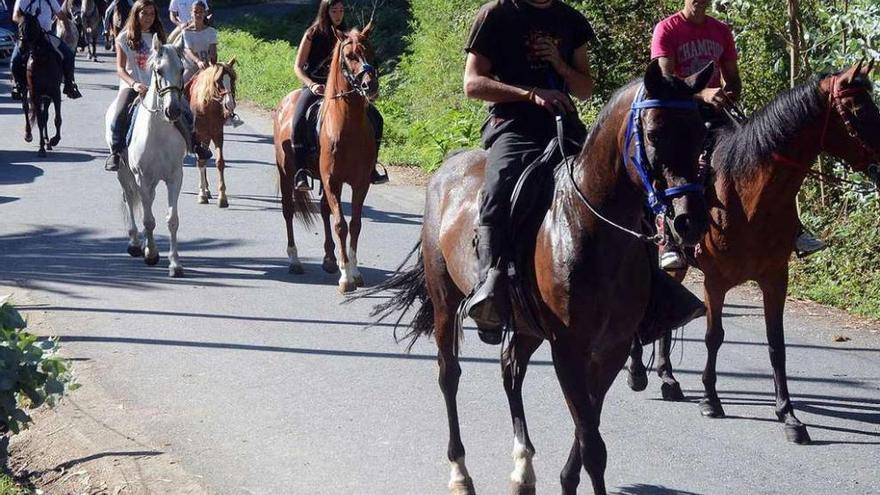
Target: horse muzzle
(690, 219)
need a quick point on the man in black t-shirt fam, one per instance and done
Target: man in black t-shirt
(526, 58)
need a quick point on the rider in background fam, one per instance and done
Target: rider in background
(45, 11)
(312, 67)
(199, 42)
(684, 43)
(108, 15)
(526, 58)
(180, 11)
(133, 48)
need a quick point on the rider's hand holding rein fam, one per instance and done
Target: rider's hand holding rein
(479, 83)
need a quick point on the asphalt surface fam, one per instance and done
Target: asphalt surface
(260, 382)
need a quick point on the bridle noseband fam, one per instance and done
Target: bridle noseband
(354, 80)
(657, 200)
(834, 101)
(161, 91)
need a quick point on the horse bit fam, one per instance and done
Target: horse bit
(354, 80)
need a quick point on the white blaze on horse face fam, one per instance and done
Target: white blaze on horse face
(523, 470)
(228, 97)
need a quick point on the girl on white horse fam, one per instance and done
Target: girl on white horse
(132, 66)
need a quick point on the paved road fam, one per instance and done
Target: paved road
(260, 382)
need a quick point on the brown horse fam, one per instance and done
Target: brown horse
(759, 168)
(44, 75)
(211, 96)
(589, 281)
(347, 154)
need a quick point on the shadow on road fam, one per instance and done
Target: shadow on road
(279, 349)
(640, 489)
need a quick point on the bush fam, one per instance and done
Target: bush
(30, 373)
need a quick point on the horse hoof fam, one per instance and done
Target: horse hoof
(175, 271)
(203, 200)
(711, 408)
(208, 194)
(637, 379)
(330, 266)
(28, 138)
(41, 153)
(520, 489)
(346, 287)
(359, 281)
(54, 141)
(223, 203)
(797, 434)
(671, 391)
(135, 251)
(464, 487)
(295, 269)
(151, 260)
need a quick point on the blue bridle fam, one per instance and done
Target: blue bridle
(656, 199)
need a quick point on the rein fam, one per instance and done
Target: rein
(634, 130)
(834, 97)
(160, 92)
(354, 80)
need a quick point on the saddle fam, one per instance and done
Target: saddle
(670, 305)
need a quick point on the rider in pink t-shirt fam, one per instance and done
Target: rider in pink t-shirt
(684, 43)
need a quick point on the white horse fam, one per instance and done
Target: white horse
(155, 153)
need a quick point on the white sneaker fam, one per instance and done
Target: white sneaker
(234, 120)
(806, 244)
(672, 260)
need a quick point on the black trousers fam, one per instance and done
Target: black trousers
(513, 145)
(300, 128)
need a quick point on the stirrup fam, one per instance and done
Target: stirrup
(302, 180)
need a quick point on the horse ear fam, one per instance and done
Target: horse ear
(157, 43)
(697, 82)
(869, 68)
(654, 81)
(339, 35)
(849, 75)
(367, 30)
(232, 62)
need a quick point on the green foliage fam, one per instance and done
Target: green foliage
(266, 48)
(9, 487)
(30, 373)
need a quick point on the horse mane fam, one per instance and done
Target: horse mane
(744, 149)
(205, 88)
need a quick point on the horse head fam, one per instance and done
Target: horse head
(225, 83)
(851, 129)
(167, 67)
(31, 33)
(668, 133)
(356, 57)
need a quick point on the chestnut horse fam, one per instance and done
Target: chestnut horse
(759, 168)
(212, 100)
(347, 154)
(589, 281)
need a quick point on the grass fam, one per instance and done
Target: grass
(8, 486)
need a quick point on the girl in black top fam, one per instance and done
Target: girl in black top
(312, 67)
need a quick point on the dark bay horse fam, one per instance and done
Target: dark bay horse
(44, 75)
(347, 154)
(759, 168)
(212, 101)
(589, 280)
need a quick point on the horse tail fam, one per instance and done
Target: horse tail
(131, 196)
(304, 208)
(409, 287)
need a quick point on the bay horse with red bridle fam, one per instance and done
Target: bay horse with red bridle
(212, 100)
(759, 167)
(588, 272)
(347, 155)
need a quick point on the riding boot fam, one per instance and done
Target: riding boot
(71, 90)
(377, 177)
(202, 151)
(15, 94)
(489, 305)
(113, 162)
(670, 306)
(301, 177)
